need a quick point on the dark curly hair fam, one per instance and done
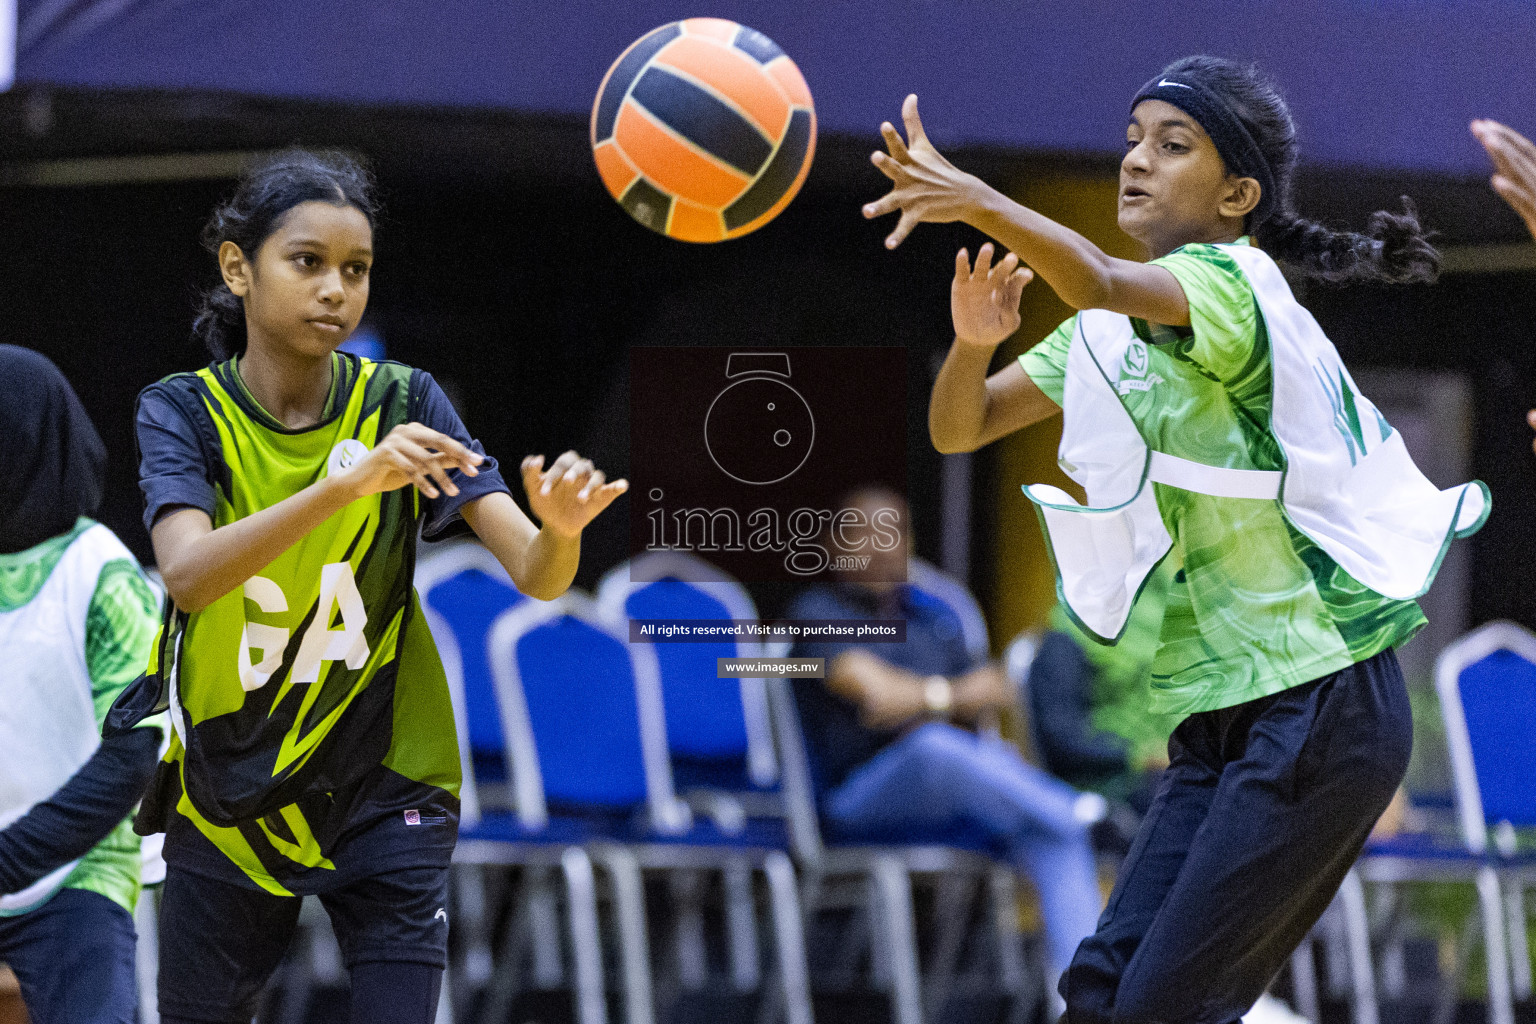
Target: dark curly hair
(1393, 249)
(268, 191)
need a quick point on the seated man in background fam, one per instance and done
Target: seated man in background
(1089, 703)
(894, 755)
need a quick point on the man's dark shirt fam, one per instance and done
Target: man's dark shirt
(838, 742)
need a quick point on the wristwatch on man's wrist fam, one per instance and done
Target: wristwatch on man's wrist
(939, 695)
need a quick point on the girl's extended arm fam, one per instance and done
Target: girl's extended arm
(928, 188)
(542, 562)
(201, 564)
(969, 409)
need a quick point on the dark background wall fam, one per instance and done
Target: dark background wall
(1374, 83)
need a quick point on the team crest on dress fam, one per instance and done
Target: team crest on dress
(345, 455)
(1133, 369)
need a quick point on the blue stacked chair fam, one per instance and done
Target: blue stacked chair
(876, 879)
(462, 588)
(586, 747)
(719, 740)
(1486, 682)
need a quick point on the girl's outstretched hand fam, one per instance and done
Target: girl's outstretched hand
(1514, 164)
(568, 495)
(984, 300)
(928, 188)
(410, 454)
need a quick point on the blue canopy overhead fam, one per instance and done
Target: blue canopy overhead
(1389, 84)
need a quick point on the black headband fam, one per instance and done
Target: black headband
(1239, 152)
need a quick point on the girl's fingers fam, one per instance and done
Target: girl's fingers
(903, 229)
(1005, 267)
(1516, 163)
(420, 457)
(893, 142)
(962, 266)
(555, 472)
(1016, 283)
(912, 120)
(1511, 138)
(1522, 199)
(983, 262)
(605, 494)
(457, 452)
(888, 203)
(888, 167)
(579, 471)
(1511, 153)
(440, 476)
(594, 481)
(424, 485)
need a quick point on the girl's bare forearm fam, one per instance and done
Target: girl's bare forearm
(1076, 269)
(957, 412)
(200, 564)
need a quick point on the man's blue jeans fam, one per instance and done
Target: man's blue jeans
(939, 783)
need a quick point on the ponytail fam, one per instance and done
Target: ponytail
(220, 323)
(1394, 249)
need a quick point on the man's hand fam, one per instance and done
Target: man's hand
(928, 188)
(568, 495)
(984, 300)
(1514, 163)
(980, 691)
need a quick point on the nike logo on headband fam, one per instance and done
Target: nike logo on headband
(1179, 85)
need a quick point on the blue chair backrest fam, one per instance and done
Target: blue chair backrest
(717, 740)
(581, 712)
(1487, 686)
(467, 601)
(704, 715)
(927, 581)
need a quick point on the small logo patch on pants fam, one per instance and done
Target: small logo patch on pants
(415, 817)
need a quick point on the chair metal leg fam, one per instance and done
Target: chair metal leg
(634, 950)
(688, 928)
(897, 937)
(1501, 1008)
(581, 904)
(1335, 942)
(1393, 961)
(1013, 974)
(1358, 937)
(952, 914)
(741, 927)
(1450, 988)
(1519, 943)
(146, 957)
(543, 903)
(789, 938)
(1304, 981)
(470, 920)
(496, 1003)
(445, 1001)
